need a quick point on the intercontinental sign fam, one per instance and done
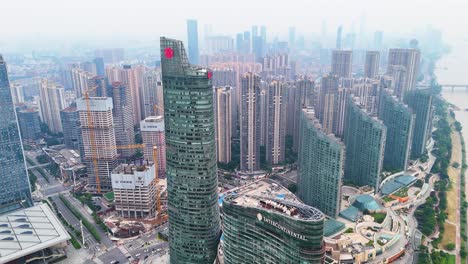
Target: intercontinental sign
(280, 227)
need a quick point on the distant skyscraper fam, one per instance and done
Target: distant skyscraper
(420, 101)
(378, 40)
(99, 64)
(399, 120)
(15, 191)
(247, 43)
(223, 118)
(339, 33)
(371, 66)
(339, 107)
(97, 132)
(260, 228)
(71, 128)
(329, 85)
(123, 118)
(263, 33)
(320, 166)
(192, 33)
(276, 123)
(52, 101)
(342, 61)
(292, 37)
(410, 59)
(365, 143)
(250, 123)
(194, 224)
(152, 133)
(254, 31)
(152, 94)
(29, 123)
(110, 55)
(239, 42)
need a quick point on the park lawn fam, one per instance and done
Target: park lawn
(450, 235)
(379, 217)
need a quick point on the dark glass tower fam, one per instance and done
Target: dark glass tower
(194, 225)
(15, 191)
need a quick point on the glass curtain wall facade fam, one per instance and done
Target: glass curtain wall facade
(15, 192)
(194, 223)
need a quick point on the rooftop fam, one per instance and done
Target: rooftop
(29, 230)
(271, 196)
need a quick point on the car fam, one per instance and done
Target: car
(114, 262)
(146, 257)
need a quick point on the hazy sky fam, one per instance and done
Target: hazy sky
(152, 18)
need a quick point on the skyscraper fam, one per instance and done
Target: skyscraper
(420, 101)
(365, 143)
(29, 123)
(52, 101)
(320, 166)
(152, 94)
(71, 128)
(339, 33)
(292, 37)
(97, 132)
(123, 118)
(194, 224)
(192, 37)
(329, 85)
(250, 123)
(371, 66)
(15, 190)
(152, 133)
(276, 123)
(410, 59)
(399, 120)
(261, 228)
(342, 61)
(378, 40)
(223, 118)
(99, 64)
(399, 77)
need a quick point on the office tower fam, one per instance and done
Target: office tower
(250, 123)
(329, 85)
(408, 58)
(246, 43)
(239, 42)
(292, 37)
(29, 124)
(420, 101)
(99, 64)
(258, 46)
(192, 38)
(254, 31)
(219, 44)
(152, 133)
(194, 225)
(15, 191)
(110, 55)
(134, 188)
(320, 166)
(339, 33)
(123, 118)
(399, 120)
(399, 77)
(223, 121)
(364, 139)
(99, 146)
(263, 33)
(259, 227)
(153, 94)
(371, 66)
(342, 63)
(52, 101)
(276, 123)
(378, 40)
(71, 128)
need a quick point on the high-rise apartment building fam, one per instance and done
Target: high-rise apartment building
(342, 61)
(276, 122)
(320, 166)
(153, 94)
(99, 65)
(15, 190)
(123, 118)
(52, 101)
(71, 128)
(152, 133)
(223, 121)
(134, 188)
(399, 120)
(420, 101)
(194, 224)
(259, 227)
(192, 37)
(114, 55)
(29, 123)
(99, 145)
(250, 123)
(339, 108)
(371, 65)
(329, 85)
(398, 76)
(364, 139)
(263, 101)
(408, 58)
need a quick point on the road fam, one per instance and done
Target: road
(147, 244)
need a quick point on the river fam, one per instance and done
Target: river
(453, 69)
